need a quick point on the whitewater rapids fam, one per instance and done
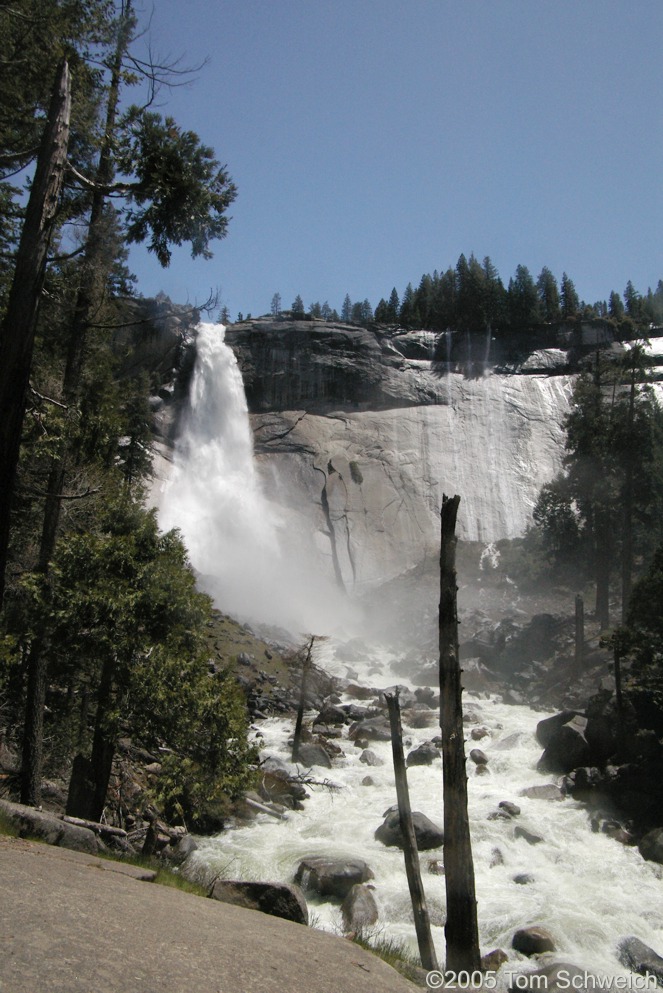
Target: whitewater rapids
(588, 890)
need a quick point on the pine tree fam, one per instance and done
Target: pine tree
(570, 301)
(546, 286)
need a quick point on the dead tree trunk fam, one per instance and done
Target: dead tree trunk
(461, 929)
(306, 665)
(18, 332)
(579, 635)
(410, 852)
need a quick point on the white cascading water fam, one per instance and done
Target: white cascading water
(235, 536)
(588, 890)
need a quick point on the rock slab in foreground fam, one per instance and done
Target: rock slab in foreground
(153, 938)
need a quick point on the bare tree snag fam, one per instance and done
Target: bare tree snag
(18, 331)
(306, 666)
(579, 635)
(461, 929)
(410, 851)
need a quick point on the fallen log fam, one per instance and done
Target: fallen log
(94, 826)
(265, 810)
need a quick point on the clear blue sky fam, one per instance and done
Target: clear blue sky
(374, 140)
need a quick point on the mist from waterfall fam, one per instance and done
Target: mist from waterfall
(253, 566)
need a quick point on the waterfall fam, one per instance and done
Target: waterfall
(239, 542)
(587, 889)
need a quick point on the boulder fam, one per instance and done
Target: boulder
(406, 697)
(359, 909)
(50, 829)
(651, 846)
(529, 836)
(368, 757)
(359, 692)
(640, 958)
(423, 755)
(277, 899)
(180, 851)
(419, 717)
(374, 729)
(428, 834)
(312, 754)
(554, 977)
(512, 809)
(549, 791)
(548, 727)
(533, 941)
(523, 879)
(277, 787)
(492, 961)
(478, 757)
(567, 747)
(331, 715)
(331, 877)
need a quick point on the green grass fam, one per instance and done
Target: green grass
(164, 875)
(7, 826)
(395, 953)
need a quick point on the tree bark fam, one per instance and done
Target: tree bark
(18, 332)
(628, 499)
(90, 777)
(602, 554)
(579, 635)
(461, 929)
(410, 851)
(306, 665)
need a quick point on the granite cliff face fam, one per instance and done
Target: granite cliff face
(359, 432)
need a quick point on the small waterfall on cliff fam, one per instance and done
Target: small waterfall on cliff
(236, 538)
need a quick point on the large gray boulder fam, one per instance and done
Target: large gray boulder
(651, 846)
(277, 899)
(331, 877)
(640, 958)
(312, 754)
(428, 834)
(359, 909)
(50, 829)
(549, 726)
(372, 729)
(568, 747)
(533, 940)
(423, 755)
(553, 977)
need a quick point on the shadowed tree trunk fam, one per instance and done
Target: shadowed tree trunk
(306, 665)
(90, 777)
(90, 294)
(461, 929)
(579, 635)
(410, 851)
(18, 331)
